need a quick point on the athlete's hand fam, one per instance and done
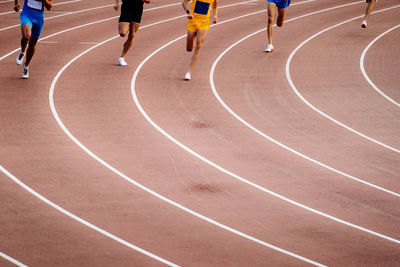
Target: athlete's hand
(116, 6)
(17, 7)
(215, 20)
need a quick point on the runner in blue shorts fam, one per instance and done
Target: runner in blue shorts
(32, 19)
(370, 6)
(281, 5)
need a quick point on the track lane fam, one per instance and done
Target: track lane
(150, 87)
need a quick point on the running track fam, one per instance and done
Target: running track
(286, 159)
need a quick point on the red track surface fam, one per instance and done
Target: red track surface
(238, 175)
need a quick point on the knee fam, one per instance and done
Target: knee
(26, 37)
(270, 20)
(189, 49)
(279, 23)
(122, 34)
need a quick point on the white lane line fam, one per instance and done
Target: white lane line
(288, 77)
(72, 43)
(133, 90)
(55, 4)
(84, 222)
(365, 73)
(213, 87)
(155, 194)
(14, 261)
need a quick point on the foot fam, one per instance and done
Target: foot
(122, 61)
(269, 48)
(187, 76)
(20, 57)
(25, 72)
(363, 24)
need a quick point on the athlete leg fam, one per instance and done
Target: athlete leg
(191, 36)
(281, 16)
(368, 11)
(133, 28)
(271, 17)
(201, 36)
(31, 50)
(26, 36)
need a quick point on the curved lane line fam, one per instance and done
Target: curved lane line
(11, 259)
(82, 221)
(130, 180)
(288, 77)
(133, 90)
(213, 87)
(365, 73)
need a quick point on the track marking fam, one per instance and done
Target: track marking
(288, 77)
(55, 4)
(133, 90)
(82, 221)
(213, 87)
(130, 180)
(365, 73)
(72, 43)
(11, 259)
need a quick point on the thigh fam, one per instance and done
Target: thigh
(133, 27)
(201, 36)
(271, 9)
(26, 25)
(123, 27)
(190, 40)
(281, 15)
(37, 27)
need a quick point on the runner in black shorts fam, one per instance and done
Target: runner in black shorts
(129, 21)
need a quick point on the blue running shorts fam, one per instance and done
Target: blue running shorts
(280, 3)
(33, 18)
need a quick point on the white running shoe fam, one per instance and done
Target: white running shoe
(187, 76)
(25, 72)
(269, 48)
(20, 58)
(363, 24)
(122, 61)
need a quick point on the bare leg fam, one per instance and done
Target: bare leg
(271, 17)
(281, 16)
(125, 28)
(369, 9)
(191, 36)
(201, 36)
(26, 36)
(31, 50)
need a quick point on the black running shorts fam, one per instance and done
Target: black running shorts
(131, 11)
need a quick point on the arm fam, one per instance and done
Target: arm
(186, 8)
(215, 11)
(116, 6)
(47, 4)
(17, 7)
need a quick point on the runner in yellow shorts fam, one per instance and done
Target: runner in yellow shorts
(198, 25)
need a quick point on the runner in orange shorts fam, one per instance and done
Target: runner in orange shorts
(198, 25)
